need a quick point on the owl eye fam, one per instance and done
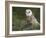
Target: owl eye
(29, 12)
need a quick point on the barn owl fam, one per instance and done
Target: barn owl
(30, 18)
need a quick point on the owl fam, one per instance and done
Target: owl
(30, 18)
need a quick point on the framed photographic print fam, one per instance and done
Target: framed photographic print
(24, 18)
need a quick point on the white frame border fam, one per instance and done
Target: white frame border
(24, 32)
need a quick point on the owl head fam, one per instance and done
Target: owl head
(28, 12)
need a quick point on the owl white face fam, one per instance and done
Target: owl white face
(28, 12)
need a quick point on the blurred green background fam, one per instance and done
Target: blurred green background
(19, 17)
